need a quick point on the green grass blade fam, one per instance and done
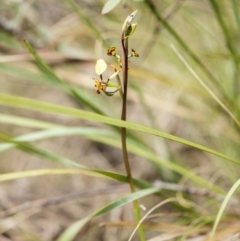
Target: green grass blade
(40, 63)
(65, 161)
(56, 109)
(72, 231)
(223, 206)
(40, 152)
(127, 199)
(27, 74)
(43, 172)
(26, 122)
(148, 155)
(112, 139)
(82, 96)
(41, 135)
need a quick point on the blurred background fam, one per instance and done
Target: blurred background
(162, 94)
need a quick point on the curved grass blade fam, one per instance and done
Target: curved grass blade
(42, 172)
(72, 231)
(41, 135)
(40, 152)
(205, 86)
(112, 139)
(223, 206)
(56, 109)
(148, 155)
(27, 122)
(67, 162)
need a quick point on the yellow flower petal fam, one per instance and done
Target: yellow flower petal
(100, 66)
(100, 86)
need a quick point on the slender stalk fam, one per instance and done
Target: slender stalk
(124, 48)
(124, 43)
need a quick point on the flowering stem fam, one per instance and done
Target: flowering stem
(124, 58)
(124, 43)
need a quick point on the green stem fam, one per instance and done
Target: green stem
(124, 47)
(124, 109)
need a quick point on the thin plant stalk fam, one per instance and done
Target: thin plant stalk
(124, 46)
(124, 58)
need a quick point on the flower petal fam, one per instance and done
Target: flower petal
(100, 66)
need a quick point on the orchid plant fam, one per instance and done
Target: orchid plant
(122, 60)
(101, 67)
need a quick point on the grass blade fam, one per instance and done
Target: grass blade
(111, 139)
(223, 206)
(67, 162)
(20, 102)
(72, 231)
(42, 172)
(26, 122)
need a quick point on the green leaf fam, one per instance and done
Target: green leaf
(72, 231)
(110, 5)
(112, 139)
(41, 64)
(223, 207)
(26, 122)
(41, 135)
(40, 152)
(51, 108)
(42, 172)
(61, 160)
